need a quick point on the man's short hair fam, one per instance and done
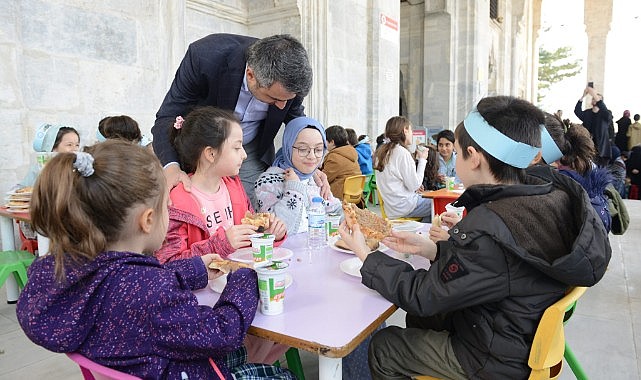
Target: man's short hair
(337, 134)
(283, 59)
(636, 117)
(517, 119)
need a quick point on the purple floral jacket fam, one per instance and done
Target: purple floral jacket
(126, 311)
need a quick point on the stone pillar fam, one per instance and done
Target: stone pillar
(597, 18)
(456, 59)
(383, 64)
(536, 29)
(314, 38)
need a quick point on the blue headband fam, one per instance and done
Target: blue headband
(497, 144)
(99, 136)
(550, 151)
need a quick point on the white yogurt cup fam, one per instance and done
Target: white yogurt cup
(271, 287)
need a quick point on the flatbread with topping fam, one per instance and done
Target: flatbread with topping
(227, 266)
(259, 219)
(372, 225)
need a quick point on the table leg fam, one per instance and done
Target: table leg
(43, 245)
(330, 368)
(9, 244)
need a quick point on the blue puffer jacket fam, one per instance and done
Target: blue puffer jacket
(594, 182)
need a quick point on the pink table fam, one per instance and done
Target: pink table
(326, 311)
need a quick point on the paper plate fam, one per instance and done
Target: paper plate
(406, 225)
(352, 266)
(244, 255)
(219, 284)
(332, 244)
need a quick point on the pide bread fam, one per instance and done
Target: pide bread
(27, 189)
(372, 225)
(227, 266)
(436, 221)
(259, 219)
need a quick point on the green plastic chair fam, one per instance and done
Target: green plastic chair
(369, 192)
(293, 363)
(15, 263)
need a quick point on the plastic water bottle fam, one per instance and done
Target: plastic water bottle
(316, 224)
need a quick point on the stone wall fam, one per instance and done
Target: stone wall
(74, 62)
(453, 54)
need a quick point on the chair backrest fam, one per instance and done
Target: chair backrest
(546, 354)
(94, 371)
(353, 188)
(381, 203)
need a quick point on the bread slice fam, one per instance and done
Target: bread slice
(227, 266)
(372, 225)
(259, 219)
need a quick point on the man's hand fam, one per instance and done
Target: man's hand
(320, 179)
(174, 175)
(595, 96)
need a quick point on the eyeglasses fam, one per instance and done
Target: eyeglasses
(304, 152)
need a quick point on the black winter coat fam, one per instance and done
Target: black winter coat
(517, 251)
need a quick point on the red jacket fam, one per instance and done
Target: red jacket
(187, 234)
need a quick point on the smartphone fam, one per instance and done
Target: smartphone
(591, 84)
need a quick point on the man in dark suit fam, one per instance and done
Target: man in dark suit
(263, 81)
(596, 120)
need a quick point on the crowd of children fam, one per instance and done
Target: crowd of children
(128, 247)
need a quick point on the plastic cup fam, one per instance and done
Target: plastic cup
(332, 223)
(457, 210)
(449, 183)
(271, 287)
(262, 247)
(43, 157)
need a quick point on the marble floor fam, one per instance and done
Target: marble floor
(604, 333)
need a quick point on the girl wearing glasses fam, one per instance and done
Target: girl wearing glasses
(286, 189)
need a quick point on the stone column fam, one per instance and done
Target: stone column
(383, 64)
(314, 38)
(597, 18)
(536, 29)
(456, 59)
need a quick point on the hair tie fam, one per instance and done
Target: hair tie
(83, 164)
(179, 122)
(386, 140)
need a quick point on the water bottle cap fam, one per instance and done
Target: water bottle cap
(317, 200)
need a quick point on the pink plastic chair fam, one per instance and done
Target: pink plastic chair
(94, 371)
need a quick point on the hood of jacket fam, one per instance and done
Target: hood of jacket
(71, 305)
(548, 222)
(346, 151)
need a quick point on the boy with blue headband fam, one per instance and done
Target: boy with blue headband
(524, 242)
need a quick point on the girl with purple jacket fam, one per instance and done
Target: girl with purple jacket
(101, 293)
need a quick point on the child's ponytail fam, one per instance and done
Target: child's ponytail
(82, 201)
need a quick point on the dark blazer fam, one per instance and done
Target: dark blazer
(211, 73)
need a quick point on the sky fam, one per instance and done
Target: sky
(562, 25)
